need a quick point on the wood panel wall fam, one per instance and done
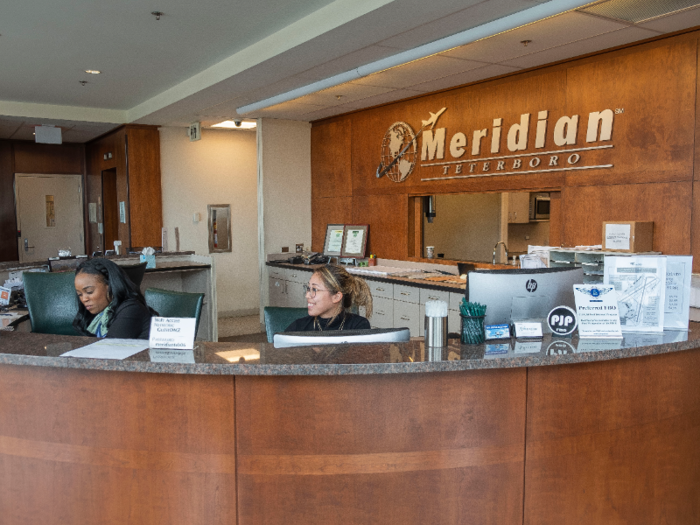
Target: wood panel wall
(29, 157)
(652, 86)
(136, 157)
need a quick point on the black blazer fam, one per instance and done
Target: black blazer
(131, 320)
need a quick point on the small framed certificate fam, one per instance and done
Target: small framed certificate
(355, 240)
(334, 239)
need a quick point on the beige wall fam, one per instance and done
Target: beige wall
(466, 226)
(284, 188)
(219, 169)
(522, 235)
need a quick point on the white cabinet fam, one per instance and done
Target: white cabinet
(380, 289)
(383, 314)
(278, 293)
(296, 296)
(287, 287)
(518, 207)
(407, 315)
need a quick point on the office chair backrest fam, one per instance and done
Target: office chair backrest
(277, 319)
(135, 272)
(51, 301)
(175, 304)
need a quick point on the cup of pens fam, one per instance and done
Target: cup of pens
(472, 315)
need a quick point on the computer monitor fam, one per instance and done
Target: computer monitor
(511, 295)
(375, 335)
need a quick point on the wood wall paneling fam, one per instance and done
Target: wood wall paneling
(668, 205)
(85, 447)
(325, 211)
(8, 219)
(49, 158)
(145, 203)
(331, 174)
(614, 442)
(653, 85)
(654, 138)
(556, 218)
(387, 219)
(403, 449)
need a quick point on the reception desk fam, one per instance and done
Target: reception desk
(562, 432)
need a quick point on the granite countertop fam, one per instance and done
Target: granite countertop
(418, 283)
(17, 348)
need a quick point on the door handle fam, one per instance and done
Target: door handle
(26, 245)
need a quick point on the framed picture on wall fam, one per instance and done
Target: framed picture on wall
(334, 240)
(355, 241)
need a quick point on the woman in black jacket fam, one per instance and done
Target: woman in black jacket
(110, 305)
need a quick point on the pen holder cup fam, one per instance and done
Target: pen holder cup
(472, 329)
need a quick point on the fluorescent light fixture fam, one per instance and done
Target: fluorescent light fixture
(93, 71)
(235, 124)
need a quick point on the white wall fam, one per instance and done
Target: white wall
(221, 168)
(284, 188)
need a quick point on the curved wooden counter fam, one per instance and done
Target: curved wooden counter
(351, 435)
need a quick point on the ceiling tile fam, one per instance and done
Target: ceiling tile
(670, 23)
(582, 47)
(347, 62)
(384, 98)
(348, 92)
(419, 70)
(492, 70)
(555, 31)
(457, 22)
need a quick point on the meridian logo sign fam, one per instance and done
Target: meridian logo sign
(498, 150)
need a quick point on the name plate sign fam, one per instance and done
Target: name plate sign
(172, 332)
(533, 330)
(598, 316)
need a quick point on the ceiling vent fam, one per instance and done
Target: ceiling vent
(636, 11)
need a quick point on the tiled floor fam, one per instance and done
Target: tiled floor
(241, 329)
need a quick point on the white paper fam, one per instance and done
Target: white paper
(354, 240)
(617, 236)
(110, 349)
(335, 241)
(640, 286)
(678, 282)
(172, 332)
(597, 311)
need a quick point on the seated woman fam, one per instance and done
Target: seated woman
(110, 305)
(330, 292)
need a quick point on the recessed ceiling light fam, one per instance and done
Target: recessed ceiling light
(235, 124)
(82, 82)
(93, 71)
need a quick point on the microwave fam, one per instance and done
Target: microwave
(539, 207)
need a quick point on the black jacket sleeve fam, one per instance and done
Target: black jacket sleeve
(132, 320)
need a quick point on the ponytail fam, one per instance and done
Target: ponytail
(355, 290)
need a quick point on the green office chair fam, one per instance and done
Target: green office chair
(176, 304)
(277, 319)
(135, 272)
(52, 302)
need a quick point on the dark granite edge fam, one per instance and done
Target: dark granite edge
(415, 283)
(526, 360)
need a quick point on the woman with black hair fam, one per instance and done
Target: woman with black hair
(110, 305)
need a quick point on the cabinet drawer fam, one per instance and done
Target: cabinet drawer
(383, 312)
(434, 295)
(381, 289)
(407, 294)
(278, 297)
(297, 276)
(296, 297)
(407, 314)
(276, 273)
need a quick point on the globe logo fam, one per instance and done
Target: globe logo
(595, 292)
(399, 136)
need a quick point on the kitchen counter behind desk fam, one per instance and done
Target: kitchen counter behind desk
(570, 432)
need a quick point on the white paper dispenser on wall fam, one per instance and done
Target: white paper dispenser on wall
(47, 135)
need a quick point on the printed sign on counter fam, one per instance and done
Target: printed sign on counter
(677, 304)
(528, 329)
(596, 307)
(172, 332)
(5, 296)
(640, 286)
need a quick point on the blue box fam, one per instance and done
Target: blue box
(497, 331)
(150, 259)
